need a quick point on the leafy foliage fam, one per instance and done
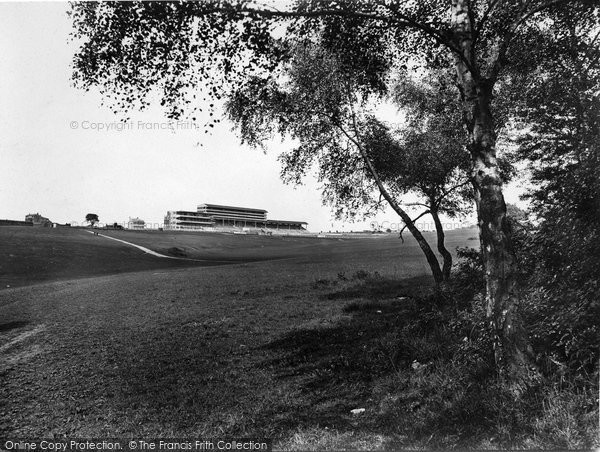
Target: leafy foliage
(561, 256)
(134, 51)
(92, 218)
(192, 53)
(323, 107)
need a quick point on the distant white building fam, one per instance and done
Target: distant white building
(136, 223)
(187, 220)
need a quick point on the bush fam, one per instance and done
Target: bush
(467, 279)
(559, 272)
(561, 301)
(444, 381)
(567, 419)
(473, 348)
(441, 375)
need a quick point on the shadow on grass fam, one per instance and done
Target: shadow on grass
(419, 383)
(208, 376)
(334, 368)
(378, 288)
(12, 325)
(201, 377)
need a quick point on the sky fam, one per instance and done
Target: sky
(64, 155)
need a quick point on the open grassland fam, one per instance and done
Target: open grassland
(237, 247)
(29, 255)
(281, 348)
(198, 351)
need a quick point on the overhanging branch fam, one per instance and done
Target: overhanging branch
(413, 221)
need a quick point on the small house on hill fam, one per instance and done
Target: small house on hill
(37, 220)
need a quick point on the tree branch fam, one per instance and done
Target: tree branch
(450, 190)
(274, 13)
(503, 46)
(400, 20)
(413, 221)
(593, 61)
(536, 10)
(418, 204)
(432, 32)
(484, 20)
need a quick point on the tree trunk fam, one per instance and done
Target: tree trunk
(512, 351)
(434, 265)
(447, 266)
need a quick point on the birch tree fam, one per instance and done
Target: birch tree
(363, 163)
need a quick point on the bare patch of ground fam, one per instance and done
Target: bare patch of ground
(19, 348)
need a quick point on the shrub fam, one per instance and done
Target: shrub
(467, 277)
(561, 261)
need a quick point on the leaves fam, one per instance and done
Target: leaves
(92, 218)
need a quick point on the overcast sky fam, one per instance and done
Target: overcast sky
(54, 160)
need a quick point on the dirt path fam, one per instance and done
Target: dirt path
(21, 337)
(20, 353)
(147, 250)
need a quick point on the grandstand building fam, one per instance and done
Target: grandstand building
(217, 217)
(187, 220)
(234, 216)
(283, 225)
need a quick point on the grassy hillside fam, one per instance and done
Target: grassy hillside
(282, 349)
(206, 245)
(195, 351)
(30, 255)
(198, 351)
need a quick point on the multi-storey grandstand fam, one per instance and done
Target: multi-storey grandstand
(214, 217)
(234, 216)
(187, 220)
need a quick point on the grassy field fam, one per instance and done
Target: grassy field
(282, 348)
(30, 255)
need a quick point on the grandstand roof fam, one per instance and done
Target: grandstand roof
(218, 206)
(286, 222)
